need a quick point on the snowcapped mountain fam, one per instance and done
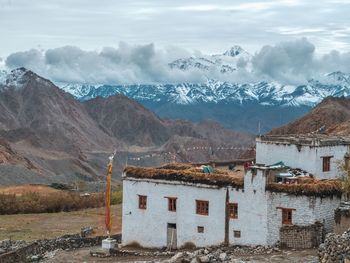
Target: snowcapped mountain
(217, 92)
(14, 79)
(264, 93)
(228, 62)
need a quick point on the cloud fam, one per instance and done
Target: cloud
(297, 61)
(125, 64)
(291, 62)
(287, 61)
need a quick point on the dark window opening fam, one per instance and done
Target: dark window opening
(236, 233)
(200, 229)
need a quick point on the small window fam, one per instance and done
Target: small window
(172, 204)
(326, 163)
(142, 201)
(200, 229)
(202, 207)
(287, 216)
(233, 210)
(236, 233)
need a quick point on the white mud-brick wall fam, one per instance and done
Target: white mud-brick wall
(325, 210)
(252, 211)
(308, 210)
(149, 227)
(308, 158)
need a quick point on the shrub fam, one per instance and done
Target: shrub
(50, 203)
(117, 197)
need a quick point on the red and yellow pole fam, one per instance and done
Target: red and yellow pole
(108, 215)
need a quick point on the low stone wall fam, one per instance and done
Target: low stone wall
(336, 248)
(40, 247)
(342, 218)
(301, 237)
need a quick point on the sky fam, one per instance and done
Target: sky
(171, 28)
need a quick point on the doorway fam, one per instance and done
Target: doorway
(171, 236)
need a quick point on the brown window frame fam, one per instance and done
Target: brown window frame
(233, 210)
(202, 207)
(142, 202)
(171, 203)
(287, 216)
(326, 163)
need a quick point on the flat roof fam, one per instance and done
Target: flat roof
(188, 173)
(305, 139)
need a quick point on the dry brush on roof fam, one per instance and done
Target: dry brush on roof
(177, 172)
(319, 188)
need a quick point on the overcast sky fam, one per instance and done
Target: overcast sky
(78, 39)
(209, 26)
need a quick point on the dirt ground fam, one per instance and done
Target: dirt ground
(285, 256)
(50, 225)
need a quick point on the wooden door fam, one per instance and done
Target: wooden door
(171, 237)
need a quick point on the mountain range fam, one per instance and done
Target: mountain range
(238, 106)
(47, 135)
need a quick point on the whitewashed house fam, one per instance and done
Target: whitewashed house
(179, 205)
(317, 154)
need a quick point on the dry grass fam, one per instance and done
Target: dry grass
(309, 187)
(32, 202)
(185, 173)
(50, 225)
(23, 189)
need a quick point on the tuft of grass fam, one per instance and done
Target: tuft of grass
(117, 197)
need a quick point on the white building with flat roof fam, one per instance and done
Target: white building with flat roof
(178, 205)
(318, 154)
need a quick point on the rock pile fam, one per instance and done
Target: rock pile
(336, 248)
(10, 245)
(15, 251)
(220, 254)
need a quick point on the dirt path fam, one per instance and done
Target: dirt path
(285, 256)
(50, 225)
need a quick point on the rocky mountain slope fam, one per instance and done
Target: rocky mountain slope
(48, 136)
(331, 116)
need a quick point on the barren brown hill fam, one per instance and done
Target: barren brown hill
(48, 136)
(35, 109)
(45, 133)
(331, 116)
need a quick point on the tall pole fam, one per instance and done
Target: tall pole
(108, 217)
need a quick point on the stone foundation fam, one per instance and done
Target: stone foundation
(301, 236)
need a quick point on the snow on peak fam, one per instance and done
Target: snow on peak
(234, 51)
(214, 91)
(339, 77)
(14, 79)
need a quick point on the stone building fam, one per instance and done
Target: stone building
(179, 205)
